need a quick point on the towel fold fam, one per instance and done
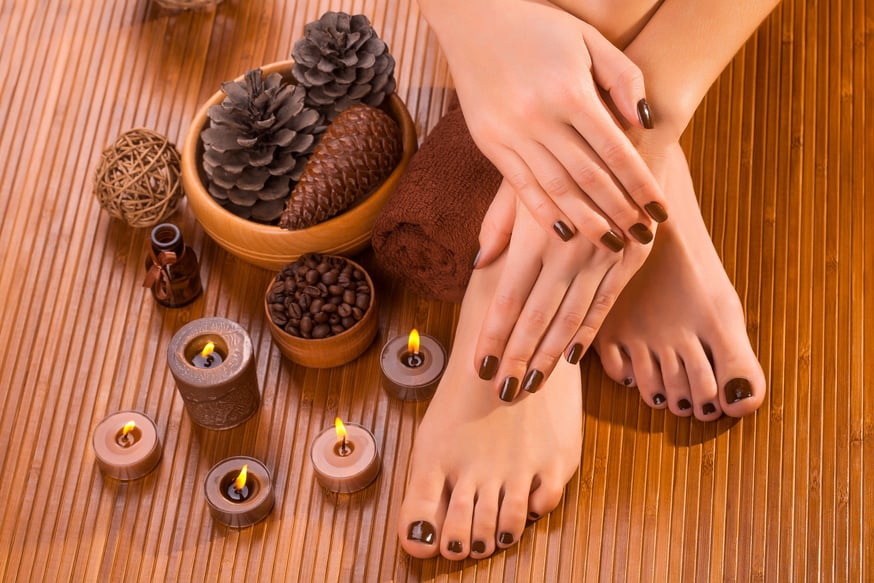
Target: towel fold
(426, 235)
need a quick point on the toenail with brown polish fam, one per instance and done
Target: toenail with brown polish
(532, 380)
(509, 389)
(454, 546)
(640, 232)
(575, 354)
(421, 531)
(658, 398)
(563, 230)
(628, 381)
(684, 404)
(612, 241)
(505, 538)
(656, 212)
(533, 516)
(737, 390)
(488, 368)
(478, 547)
(708, 408)
(644, 114)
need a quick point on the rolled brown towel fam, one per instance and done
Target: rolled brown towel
(426, 235)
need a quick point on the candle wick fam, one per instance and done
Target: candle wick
(343, 449)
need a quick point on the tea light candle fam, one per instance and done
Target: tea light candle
(213, 363)
(412, 366)
(126, 445)
(239, 491)
(345, 457)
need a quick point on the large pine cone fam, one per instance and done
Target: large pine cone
(356, 154)
(257, 144)
(341, 60)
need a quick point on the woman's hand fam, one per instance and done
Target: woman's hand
(529, 78)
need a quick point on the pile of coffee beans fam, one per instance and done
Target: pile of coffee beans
(318, 296)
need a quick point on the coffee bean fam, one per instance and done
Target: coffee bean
(320, 318)
(349, 296)
(321, 331)
(335, 290)
(362, 301)
(316, 306)
(306, 325)
(337, 329)
(344, 310)
(357, 312)
(313, 276)
(348, 322)
(330, 277)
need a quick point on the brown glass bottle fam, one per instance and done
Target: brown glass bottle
(172, 271)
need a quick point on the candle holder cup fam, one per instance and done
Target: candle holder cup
(221, 393)
(126, 456)
(246, 508)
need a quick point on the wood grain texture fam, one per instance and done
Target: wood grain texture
(781, 152)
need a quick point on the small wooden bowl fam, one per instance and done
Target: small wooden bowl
(333, 350)
(271, 246)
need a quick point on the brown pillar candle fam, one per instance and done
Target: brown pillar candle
(345, 458)
(236, 500)
(126, 445)
(213, 363)
(412, 366)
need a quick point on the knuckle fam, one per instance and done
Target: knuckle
(630, 75)
(535, 319)
(617, 153)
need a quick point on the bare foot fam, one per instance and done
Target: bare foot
(482, 467)
(677, 331)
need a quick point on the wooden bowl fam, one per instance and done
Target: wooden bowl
(333, 350)
(271, 246)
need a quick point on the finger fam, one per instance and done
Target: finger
(538, 199)
(607, 197)
(616, 74)
(620, 156)
(514, 285)
(565, 324)
(533, 322)
(497, 226)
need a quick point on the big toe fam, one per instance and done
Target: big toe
(422, 515)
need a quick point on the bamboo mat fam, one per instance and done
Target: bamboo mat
(782, 152)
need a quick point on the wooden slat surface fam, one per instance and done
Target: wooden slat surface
(782, 152)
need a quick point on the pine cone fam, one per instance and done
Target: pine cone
(355, 155)
(257, 144)
(341, 60)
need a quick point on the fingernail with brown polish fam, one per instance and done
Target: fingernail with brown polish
(640, 232)
(612, 241)
(509, 389)
(478, 547)
(505, 538)
(656, 212)
(684, 404)
(737, 390)
(644, 114)
(532, 380)
(563, 230)
(476, 259)
(454, 546)
(488, 368)
(421, 531)
(575, 354)
(658, 398)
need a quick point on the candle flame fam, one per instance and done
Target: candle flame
(240, 482)
(207, 350)
(413, 342)
(341, 429)
(128, 427)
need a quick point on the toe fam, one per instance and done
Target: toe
(615, 362)
(455, 535)
(513, 512)
(545, 497)
(702, 382)
(676, 384)
(485, 518)
(422, 514)
(740, 377)
(647, 374)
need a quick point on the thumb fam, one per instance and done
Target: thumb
(497, 226)
(616, 74)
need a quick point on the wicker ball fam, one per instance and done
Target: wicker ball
(138, 178)
(186, 4)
